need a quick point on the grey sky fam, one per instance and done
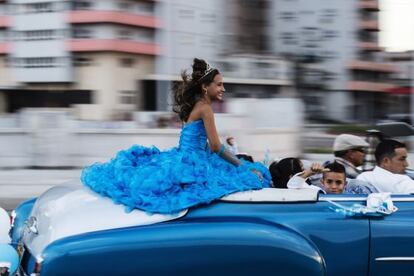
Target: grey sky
(397, 25)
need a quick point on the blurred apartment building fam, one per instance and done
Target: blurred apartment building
(110, 57)
(87, 54)
(326, 52)
(226, 34)
(107, 58)
(341, 72)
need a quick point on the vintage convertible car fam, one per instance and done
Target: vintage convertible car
(70, 230)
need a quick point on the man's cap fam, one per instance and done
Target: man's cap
(348, 141)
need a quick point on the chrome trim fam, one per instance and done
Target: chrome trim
(395, 259)
(343, 198)
(402, 199)
(364, 198)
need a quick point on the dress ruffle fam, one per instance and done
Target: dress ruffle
(172, 180)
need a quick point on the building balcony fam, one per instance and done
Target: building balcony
(369, 5)
(4, 48)
(113, 45)
(369, 46)
(4, 21)
(115, 17)
(400, 56)
(401, 90)
(369, 86)
(372, 66)
(370, 25)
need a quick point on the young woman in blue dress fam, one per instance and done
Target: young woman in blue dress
(199, 170)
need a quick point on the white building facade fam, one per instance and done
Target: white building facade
(338, 39)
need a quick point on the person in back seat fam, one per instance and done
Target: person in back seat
(349, 151)
(389, 173)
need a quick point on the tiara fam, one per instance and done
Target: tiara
(209, 69)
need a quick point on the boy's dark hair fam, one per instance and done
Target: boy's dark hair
(336, 168)
(386, 148)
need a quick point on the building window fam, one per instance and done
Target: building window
(127, 97)
(41, 7)
(288, 16)
(145, 35)
(125, 34)
(127, 62)
(288, 38)
(81, 5)
(185, 13)
(82, 61)
(330, 34)
(328, 55)
(311, 35)
(328, 16)
(145, 7)
(8, 62)
(186, 39)
(38, 35)
(37, 62)
(81, 33)
(125, 6)
(3, 35)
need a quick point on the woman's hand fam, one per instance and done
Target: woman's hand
(258, 174)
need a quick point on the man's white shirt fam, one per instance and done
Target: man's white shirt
(386, 181)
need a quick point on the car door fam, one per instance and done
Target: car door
(392, 240)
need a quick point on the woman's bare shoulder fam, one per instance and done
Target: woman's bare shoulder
(200, 110)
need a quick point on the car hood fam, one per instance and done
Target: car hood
(72, 209)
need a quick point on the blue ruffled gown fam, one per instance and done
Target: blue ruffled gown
(170, 181)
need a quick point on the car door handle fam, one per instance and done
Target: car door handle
(395, 259)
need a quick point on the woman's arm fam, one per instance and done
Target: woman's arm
(213, 138)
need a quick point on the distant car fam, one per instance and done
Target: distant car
(397, 117)
(70, 230)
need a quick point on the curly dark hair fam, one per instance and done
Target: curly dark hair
(188, 91)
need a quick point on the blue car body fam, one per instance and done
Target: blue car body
(239, 237)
